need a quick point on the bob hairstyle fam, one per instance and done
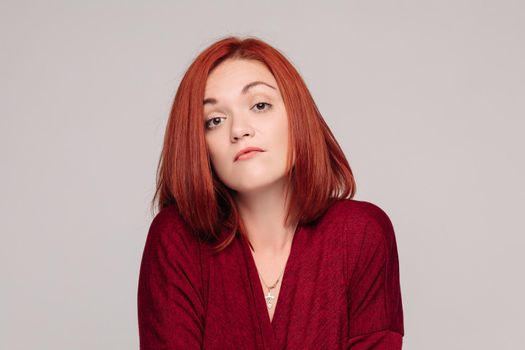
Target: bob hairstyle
(185, 177)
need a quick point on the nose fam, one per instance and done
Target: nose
(240, 128)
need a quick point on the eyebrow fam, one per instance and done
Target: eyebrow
(244, 90)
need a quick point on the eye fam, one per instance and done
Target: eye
(212, 121)
(261, 105)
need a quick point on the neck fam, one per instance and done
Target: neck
(263, 214)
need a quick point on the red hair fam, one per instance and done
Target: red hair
(185, 177)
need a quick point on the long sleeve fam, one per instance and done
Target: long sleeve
(169, 298)
(375, 304)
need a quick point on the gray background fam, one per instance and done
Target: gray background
(425, 97)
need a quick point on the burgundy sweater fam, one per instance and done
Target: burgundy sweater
(340, 288)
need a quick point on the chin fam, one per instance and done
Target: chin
(247, 187)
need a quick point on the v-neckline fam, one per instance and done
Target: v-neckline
(268, 325)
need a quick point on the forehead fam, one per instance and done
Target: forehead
(233, 74)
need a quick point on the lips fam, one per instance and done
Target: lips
(246, 150)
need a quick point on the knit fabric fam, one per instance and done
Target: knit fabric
(340, 288)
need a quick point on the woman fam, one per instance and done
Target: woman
(257, 243)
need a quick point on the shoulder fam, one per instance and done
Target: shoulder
(369, 239)
(168, 217)
(360, 211)
(364, 221)
(170, 232)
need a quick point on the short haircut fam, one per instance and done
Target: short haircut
(185, 177)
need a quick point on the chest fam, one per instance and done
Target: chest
(309, 305)
(271, 297)
(270, 271)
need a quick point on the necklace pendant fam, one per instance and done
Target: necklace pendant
(269, 299)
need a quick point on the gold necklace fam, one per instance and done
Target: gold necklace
(270, 297)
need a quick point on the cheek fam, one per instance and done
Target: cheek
(210, 147)
(218, 159)
(276, 129)
(215, 158)
(281, 132)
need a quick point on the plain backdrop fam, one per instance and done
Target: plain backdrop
(425, 97)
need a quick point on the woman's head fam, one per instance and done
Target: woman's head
(197, 171)
(243, 107)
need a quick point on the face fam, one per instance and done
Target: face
(243, 107)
